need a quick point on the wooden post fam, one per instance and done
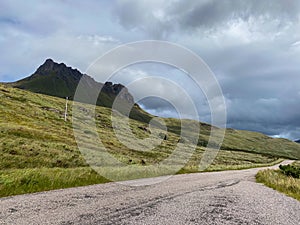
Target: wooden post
(66, 109)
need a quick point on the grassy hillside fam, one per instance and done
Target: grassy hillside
(246, 141)
(33, 134)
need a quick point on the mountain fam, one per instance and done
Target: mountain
(298, 141)
(59, 80)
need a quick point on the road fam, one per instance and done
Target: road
(228, 197)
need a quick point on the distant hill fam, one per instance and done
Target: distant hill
(59, 80)
(298, 141)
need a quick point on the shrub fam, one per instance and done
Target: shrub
(290, 170)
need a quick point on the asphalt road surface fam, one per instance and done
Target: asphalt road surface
(228, 197)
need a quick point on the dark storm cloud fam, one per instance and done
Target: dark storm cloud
(158, 18)
(261, 85)
(251, 46)
(154, 105)
(215, 12)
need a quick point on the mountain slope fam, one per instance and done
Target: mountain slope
(59, 80)
(34, 133)
(38, 150)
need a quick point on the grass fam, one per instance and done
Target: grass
(21, 181)
(277, 180)
(38, 147)
(217, 166)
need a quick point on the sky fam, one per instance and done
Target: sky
(252, 47)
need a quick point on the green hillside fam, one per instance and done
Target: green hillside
(59, 80)
(38, 150)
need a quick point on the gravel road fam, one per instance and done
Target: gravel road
(228, 197)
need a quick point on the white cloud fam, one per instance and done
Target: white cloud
(297, 43)
(97, 39)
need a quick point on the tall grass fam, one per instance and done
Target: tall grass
(21, 181)
(277, 180)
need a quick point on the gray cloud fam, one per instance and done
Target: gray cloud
(160, 18)
(252, 47)
(146, 16)
(216, 13)
(169, 83)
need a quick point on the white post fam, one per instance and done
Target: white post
(66, 110)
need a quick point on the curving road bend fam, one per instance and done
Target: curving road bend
(228, 197)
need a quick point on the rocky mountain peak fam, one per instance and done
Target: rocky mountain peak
(59, 80)
(48, 65)
(60, 69)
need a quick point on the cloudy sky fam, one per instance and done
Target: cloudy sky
(252, 46)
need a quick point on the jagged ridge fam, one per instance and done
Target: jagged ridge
(59, 80)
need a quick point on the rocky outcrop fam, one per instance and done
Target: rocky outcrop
(116, 89)
(60, 69)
